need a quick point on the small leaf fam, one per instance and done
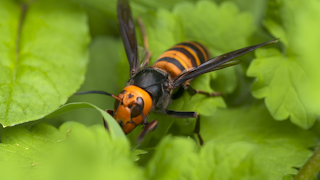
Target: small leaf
(175, 158)
(114, 128)
(137, 152)
(43, 57)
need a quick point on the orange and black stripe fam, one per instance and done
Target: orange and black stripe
(182, 56)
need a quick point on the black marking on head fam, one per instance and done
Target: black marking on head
(140, 102)
(130, 95)
(137, 109)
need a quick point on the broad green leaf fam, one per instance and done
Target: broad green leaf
(23, 151)
(282, 82)
(114, 128)
(289, 80)
(246, 142)
(91, 155)
(42, 57)
(72, 152)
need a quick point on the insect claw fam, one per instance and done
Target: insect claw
(146, 129)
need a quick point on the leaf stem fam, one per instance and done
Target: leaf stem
(23, 8)
(22, 17)
(310, 169)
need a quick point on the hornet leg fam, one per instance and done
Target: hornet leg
(193, 91)
(179, 114)
(147, 127)
(178, 93)
(147, 55)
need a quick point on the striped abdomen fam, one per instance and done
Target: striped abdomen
(182, 56)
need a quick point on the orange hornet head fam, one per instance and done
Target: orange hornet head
(133, 108)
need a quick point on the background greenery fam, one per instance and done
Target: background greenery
(263, 127)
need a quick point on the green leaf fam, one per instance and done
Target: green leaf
(246, 142)
(175, 158)
(288, 80)
(91, 155)
(72, 152)
(256, 8)
(137, 152)
(114, 128)
(43, 57)
(282, 82)
(214, 25)
(23, 150)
